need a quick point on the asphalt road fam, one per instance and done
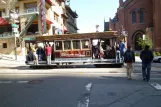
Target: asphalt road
(75, 87)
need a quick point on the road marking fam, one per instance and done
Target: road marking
(22, 81)
(84, 101)
(10, 82)
(88, 86)
(5, 82)
(156, 86)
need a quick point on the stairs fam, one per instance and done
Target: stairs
(31, 19)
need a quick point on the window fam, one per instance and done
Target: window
(85, 44)
(4, 45)
(0, 13)
(134, 17)
(76, 44)
(67, 45)
(141, 16)
(31, 7)
(58, 45)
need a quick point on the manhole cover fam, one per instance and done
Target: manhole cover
(35, 81)
(111, 93)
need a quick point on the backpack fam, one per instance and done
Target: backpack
(128, 56)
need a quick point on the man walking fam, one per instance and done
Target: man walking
(48, 54)
(147, 57)
(129, 59)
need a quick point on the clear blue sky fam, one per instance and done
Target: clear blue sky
(92, 12)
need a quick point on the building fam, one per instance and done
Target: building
(106, 26)
(136, 18)
(36, 18)
(71, 22)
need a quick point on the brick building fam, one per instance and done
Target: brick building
(138, 17)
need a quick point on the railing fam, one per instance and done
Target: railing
(6, 34)
(31, 19)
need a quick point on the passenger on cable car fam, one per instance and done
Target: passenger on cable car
(122, 49)
(40, 53)
(30, 56)
(118, 57)
(34, 50)
(53, 55)
(96, 51)
(48, 51)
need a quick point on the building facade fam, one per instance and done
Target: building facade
(137, 18)
(71, 22)
(35, 18)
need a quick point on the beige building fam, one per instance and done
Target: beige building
(32, 22)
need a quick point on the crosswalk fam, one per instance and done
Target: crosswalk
(11, 82)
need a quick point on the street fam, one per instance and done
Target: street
(21, 86)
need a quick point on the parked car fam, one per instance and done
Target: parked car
(157, 59)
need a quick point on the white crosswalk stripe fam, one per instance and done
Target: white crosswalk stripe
(156, 86)
(10, 82)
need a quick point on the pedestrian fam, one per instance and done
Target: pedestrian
(122, 49)
(147, 57)
(48, 54)
(129, 59)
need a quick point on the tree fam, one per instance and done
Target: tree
(147, 41)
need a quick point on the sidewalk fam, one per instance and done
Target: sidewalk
(135, 94)
(12, 57)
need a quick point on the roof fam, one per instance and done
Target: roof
(74, 14)
(95, 35)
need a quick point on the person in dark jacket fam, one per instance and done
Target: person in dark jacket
(129, 59)
(147, 57)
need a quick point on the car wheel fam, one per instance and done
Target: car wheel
(159, 60)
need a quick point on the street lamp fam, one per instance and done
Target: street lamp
(13, 16)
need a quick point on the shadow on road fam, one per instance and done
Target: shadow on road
(60, 67)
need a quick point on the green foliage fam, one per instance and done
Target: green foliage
(137, 54)
(147, 41)
(157, 54)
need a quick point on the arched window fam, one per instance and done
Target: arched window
(134, 17)
(141, 16)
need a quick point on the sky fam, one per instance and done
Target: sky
(93, 12)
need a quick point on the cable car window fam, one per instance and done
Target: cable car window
(58, 45)
(76, 44)
(67, 45)
(85, 44)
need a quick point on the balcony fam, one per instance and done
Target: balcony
(6, 35)
(64, 14)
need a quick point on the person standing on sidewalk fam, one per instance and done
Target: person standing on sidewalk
(48, 54)
(129, 59)
(147, 57)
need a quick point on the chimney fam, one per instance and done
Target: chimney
(121, 3)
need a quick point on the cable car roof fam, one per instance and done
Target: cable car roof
(95, 35)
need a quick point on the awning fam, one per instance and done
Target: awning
(48, 21)
(65, 29)
(49, 1)
(3, 21)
